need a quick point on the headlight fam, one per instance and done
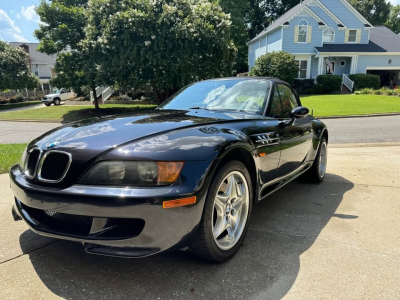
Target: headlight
(133, 173)
(23, 159)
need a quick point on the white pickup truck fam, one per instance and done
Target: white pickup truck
(58, 96)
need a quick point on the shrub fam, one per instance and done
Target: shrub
(3, 100)
(279, 64)
(20, 97)
(390, 92)
(318, 89)
(377, 92)
(367, 91)
(13, 99)
(357, 93)
(331, 83)
(366, 81)
(302, 85)
(310, 91)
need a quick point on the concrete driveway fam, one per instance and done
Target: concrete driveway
(336, 240)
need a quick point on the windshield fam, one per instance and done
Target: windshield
(56, 92)
(228, 95)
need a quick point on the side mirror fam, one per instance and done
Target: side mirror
(299, 112)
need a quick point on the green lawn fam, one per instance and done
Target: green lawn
(10, 155)
(67, 114)
(344, 105)
(17, 105)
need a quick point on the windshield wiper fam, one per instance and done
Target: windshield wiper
(198, 107)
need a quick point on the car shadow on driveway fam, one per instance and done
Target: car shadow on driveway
(283, 226)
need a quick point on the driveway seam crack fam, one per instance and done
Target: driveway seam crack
(27, 253)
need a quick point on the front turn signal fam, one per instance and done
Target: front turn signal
(179, 202)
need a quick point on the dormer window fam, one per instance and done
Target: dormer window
(303, 31)
(329, 34)
(352, 36)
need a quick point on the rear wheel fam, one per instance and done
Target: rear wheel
(57, 102)
(226, 214)
(317, 172)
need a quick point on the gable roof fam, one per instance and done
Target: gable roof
(36, 56)
(304, 6)
(381, 40)
(282, 19)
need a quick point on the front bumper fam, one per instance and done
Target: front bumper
(128, 222)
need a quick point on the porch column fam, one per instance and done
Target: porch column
(309, 67)
(319, 65)
(354, 63)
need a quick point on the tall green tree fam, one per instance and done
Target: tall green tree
(393, 21)
(263, 12)
(238, 9)
(14, 69)
(375, 11)
(65, 21)
(169, 43)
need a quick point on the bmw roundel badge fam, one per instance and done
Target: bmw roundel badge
(53, 144)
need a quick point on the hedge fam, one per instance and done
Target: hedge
(302, 85)
(331, 83)
(362, 81)
(318, 89)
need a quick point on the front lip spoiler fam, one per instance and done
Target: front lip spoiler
(125, 252)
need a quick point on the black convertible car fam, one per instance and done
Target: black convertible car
(186, 174)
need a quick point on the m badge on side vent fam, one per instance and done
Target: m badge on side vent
(266, 139)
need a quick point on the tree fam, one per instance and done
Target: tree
(393, 21)
(280, 64)
(169, 43)
(238, 9)
(14, 69)
(65, 21)
(263, 12)
(375, 11)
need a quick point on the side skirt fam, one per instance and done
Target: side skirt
(280, 182)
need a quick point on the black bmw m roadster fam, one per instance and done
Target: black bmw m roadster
(186, 174)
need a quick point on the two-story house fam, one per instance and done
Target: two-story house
(42, 65)
(320, 32)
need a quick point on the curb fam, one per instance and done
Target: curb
(358, 116)
(365, 145)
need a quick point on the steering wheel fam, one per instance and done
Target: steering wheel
(252, 103)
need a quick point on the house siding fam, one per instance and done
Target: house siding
(275, 41)
(347, 17)
(365, 61)
(339, 34)
(288, 36)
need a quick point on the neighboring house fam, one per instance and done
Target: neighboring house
(317, 32)
(42, 65)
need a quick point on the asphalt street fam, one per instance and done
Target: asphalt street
(336, 240)
(344, 130)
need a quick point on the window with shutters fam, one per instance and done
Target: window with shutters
(329, 34)
(303, 64)
(303, 31)
(352, 36)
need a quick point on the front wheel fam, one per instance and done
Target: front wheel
(317, 172)
(226, 214)
(57, 102)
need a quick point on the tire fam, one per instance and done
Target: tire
(57, 102)
(316, 174)
(227, 242)
(47, 104)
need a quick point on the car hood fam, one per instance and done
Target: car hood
(101, 134)
(51, 95)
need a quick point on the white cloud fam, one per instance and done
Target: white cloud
(394, 2)
(18, 16)
(8, 31)
(30, 14)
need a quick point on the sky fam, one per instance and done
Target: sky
(18, 20)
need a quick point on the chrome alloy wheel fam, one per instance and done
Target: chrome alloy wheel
(231, 209)
(323, 159)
